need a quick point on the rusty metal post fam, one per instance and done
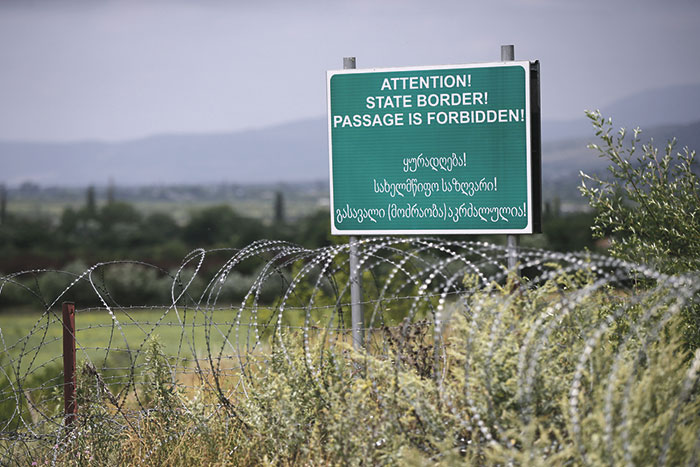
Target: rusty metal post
(69, 378)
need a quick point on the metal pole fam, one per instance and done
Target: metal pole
(349, 63)
(69, 379)
(357, 314)
(508, 55)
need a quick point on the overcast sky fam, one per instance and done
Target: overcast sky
(115, 70)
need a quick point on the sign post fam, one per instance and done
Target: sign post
(357, 314)
(508, 55)
(449, 149)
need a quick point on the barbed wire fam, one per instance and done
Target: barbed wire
(211, 326)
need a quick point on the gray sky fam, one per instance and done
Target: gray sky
(114, 70)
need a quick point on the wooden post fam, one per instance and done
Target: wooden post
(69, 378)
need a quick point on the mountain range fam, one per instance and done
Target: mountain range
(298, 151)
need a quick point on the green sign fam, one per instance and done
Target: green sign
(431, 150)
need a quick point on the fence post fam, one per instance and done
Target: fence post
(69, 378)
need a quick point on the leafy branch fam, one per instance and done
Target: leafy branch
(649, 205)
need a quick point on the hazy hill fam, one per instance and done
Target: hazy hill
(298, 151)
(563, 160)
(674, 105)
(294, 152)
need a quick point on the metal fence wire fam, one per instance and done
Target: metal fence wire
(210, 326)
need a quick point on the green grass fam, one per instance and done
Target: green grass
(33, 339)
(31, 358)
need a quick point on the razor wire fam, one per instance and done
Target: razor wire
(223, 313)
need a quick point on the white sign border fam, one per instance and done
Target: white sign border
(528, 229)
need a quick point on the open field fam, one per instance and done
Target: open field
(33, 339)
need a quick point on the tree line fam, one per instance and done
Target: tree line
(120, 230)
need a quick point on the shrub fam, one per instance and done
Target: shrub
(650, 204)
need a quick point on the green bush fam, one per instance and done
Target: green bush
(649, 206)
(650, 203)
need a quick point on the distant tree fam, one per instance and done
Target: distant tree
(3, 204)
(119, 227)
(159, 227)
(552, 209)
(111, 192)
(90, 201)
(279, 207)
(115, 213)
(314, 230)
(69, 221)
(29, 188)
(222, 226)
(30, 234)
